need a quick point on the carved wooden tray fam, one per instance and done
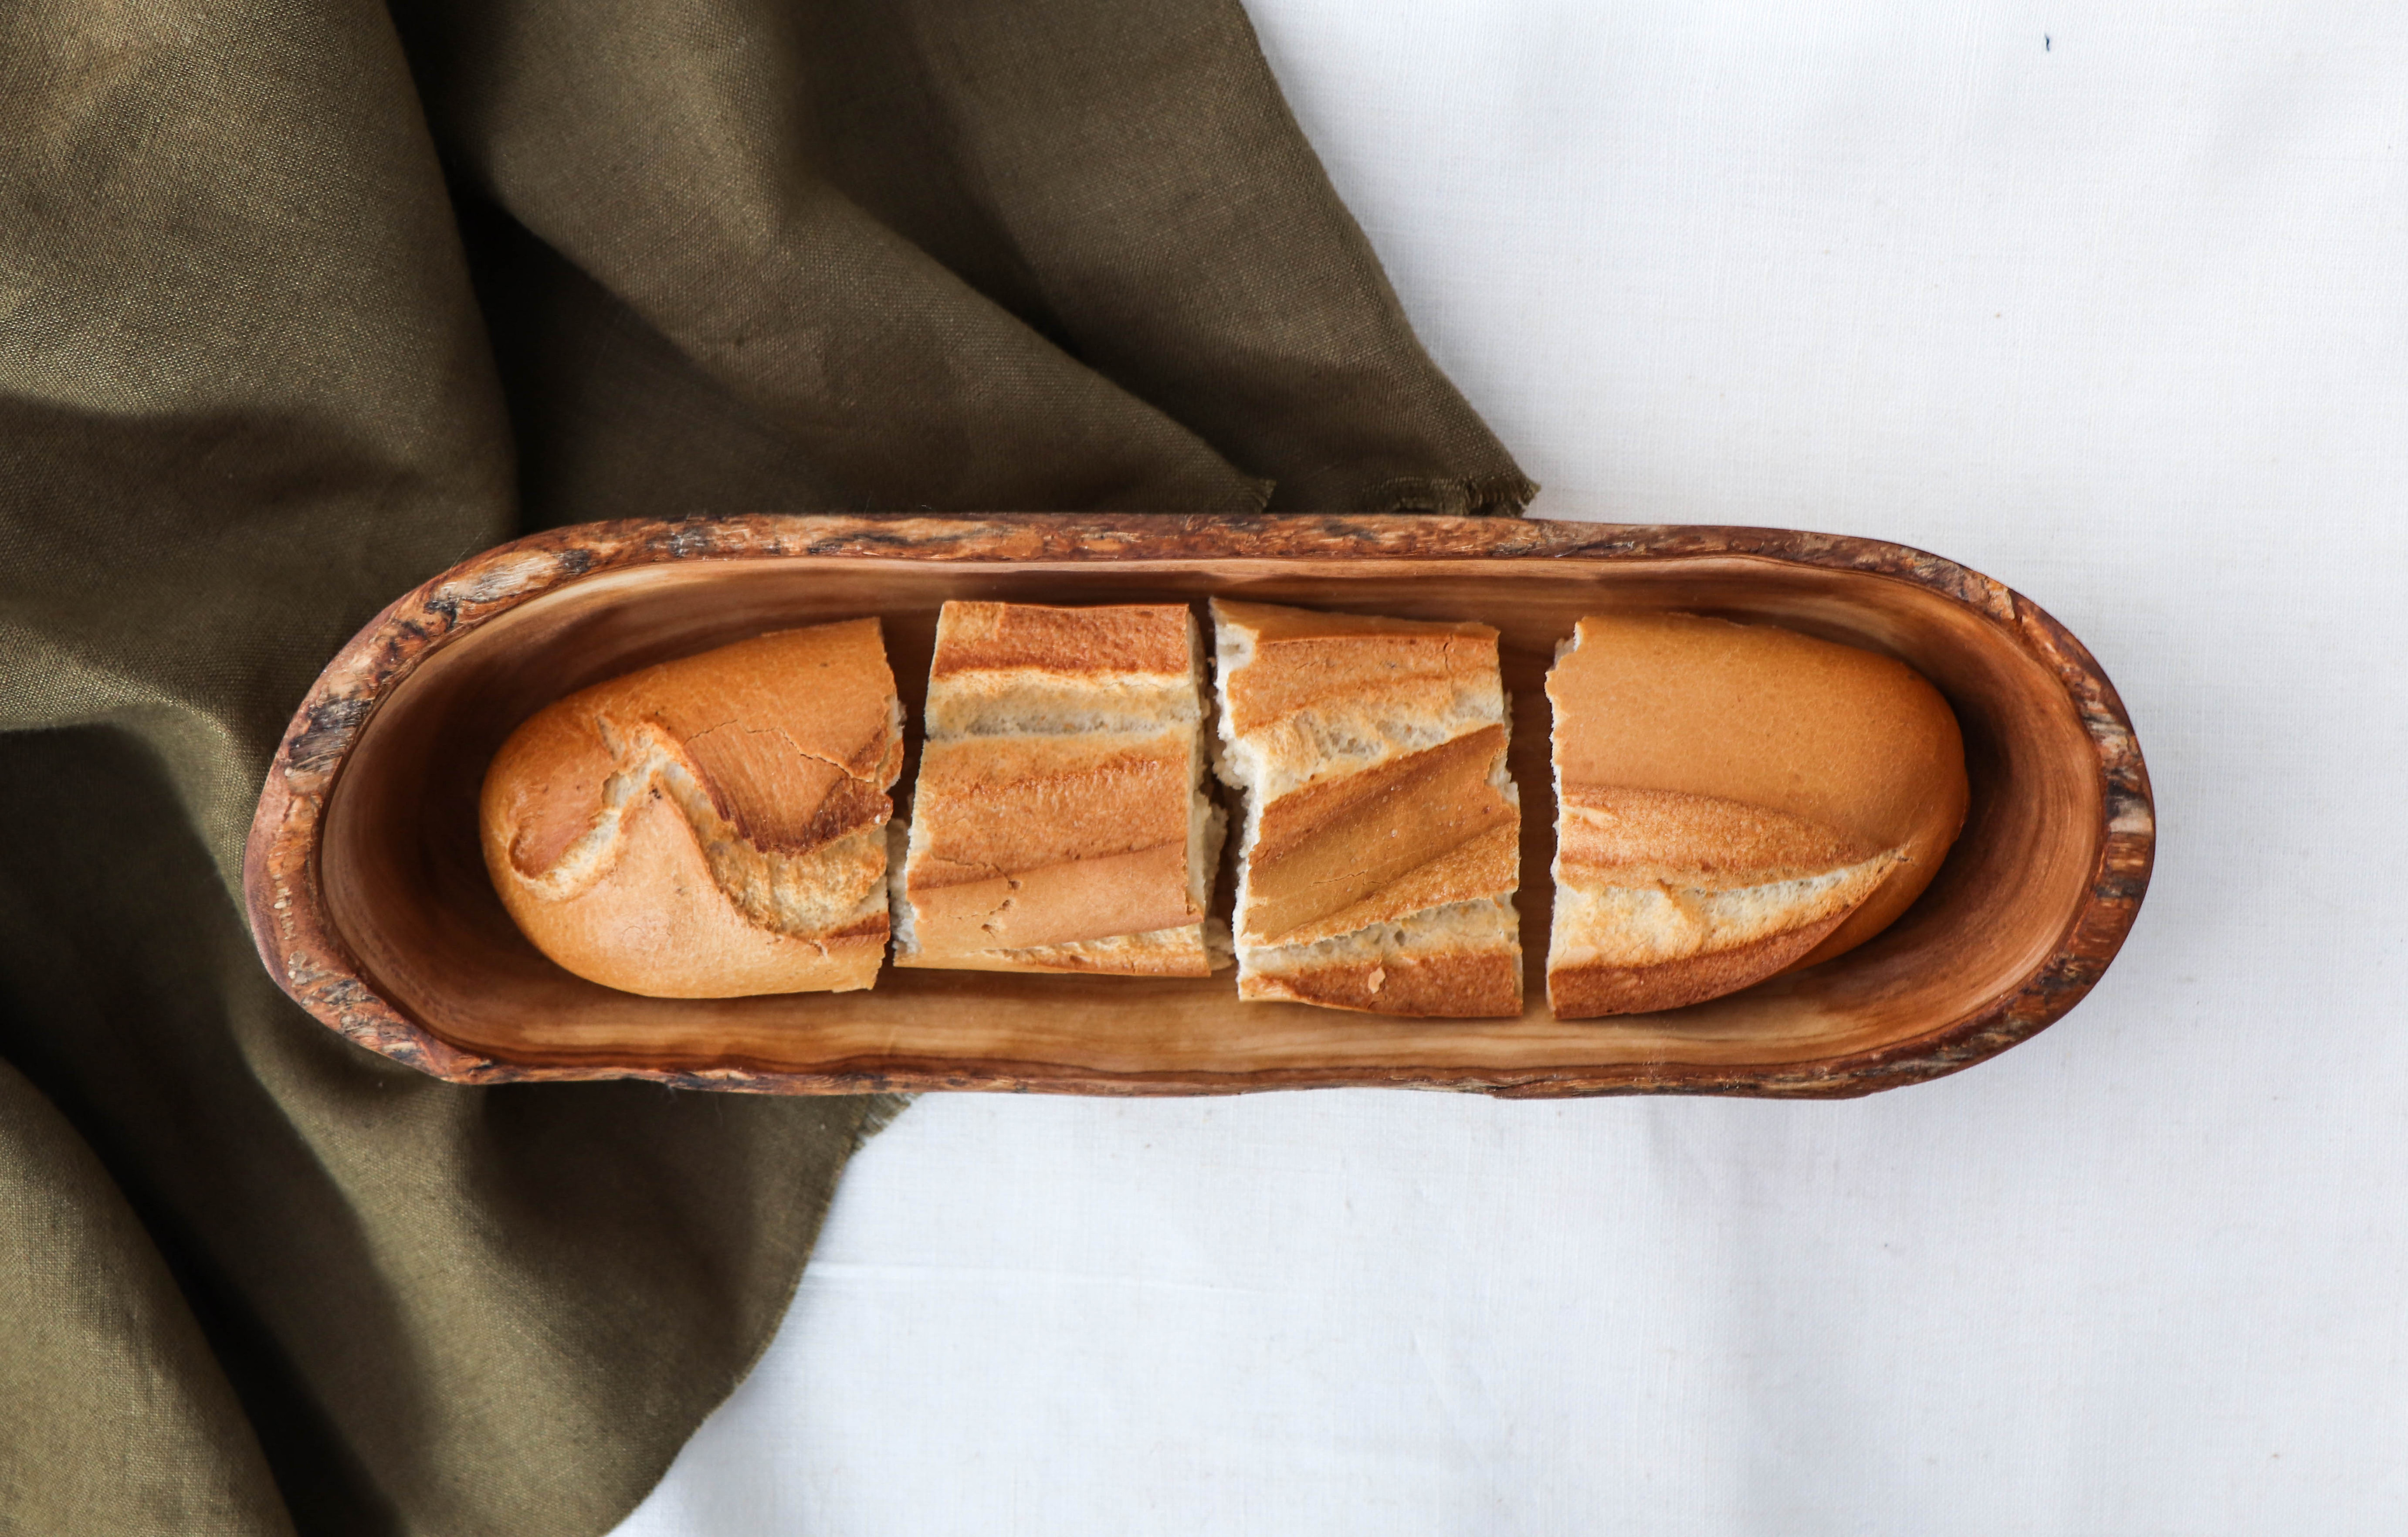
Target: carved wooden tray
(370, 904)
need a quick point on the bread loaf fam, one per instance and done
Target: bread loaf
(1380, 847)
(1059, 822)
(1734, 801)
(710, 828)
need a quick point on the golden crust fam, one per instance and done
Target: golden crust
(1594, 991)
(1303, 660)
(1094, 898)
(1339, 844)
(1054, 828)
(1625, 837)
(1854, 743)
(1182, 952)
(545, 787)
(1451, 984)
(994, 806)
(792, 735)
(1374, 751)
(1486, 865)
(1155, 638)
(708, 827)
(1734, 802)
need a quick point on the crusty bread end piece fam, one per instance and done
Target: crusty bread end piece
(709, 827)
(1733, 802)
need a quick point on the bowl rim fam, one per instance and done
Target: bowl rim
(304, 951)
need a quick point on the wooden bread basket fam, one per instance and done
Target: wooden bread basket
(370, 903)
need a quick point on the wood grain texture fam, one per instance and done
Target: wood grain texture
(370, 905)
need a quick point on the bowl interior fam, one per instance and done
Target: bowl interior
(408, 893)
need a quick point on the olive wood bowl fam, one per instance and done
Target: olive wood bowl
(370, 904)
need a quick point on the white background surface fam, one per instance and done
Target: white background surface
(2121, 320)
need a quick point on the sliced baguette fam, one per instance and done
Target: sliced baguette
(1380, 846)
(1058, 822)
(1733, 802)
(710, 828)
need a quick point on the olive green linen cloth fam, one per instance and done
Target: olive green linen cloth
(300, 303)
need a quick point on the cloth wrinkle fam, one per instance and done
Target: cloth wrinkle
(299, 306)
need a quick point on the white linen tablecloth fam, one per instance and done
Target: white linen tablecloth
(2105, 301)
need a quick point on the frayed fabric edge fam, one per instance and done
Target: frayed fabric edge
(878, 1113)
(1501, 496)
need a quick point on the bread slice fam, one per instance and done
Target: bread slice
(1382, 840)
(710, 828)
(1059, 821)
(1733, 802)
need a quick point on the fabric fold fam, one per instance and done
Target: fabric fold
(299, 306)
